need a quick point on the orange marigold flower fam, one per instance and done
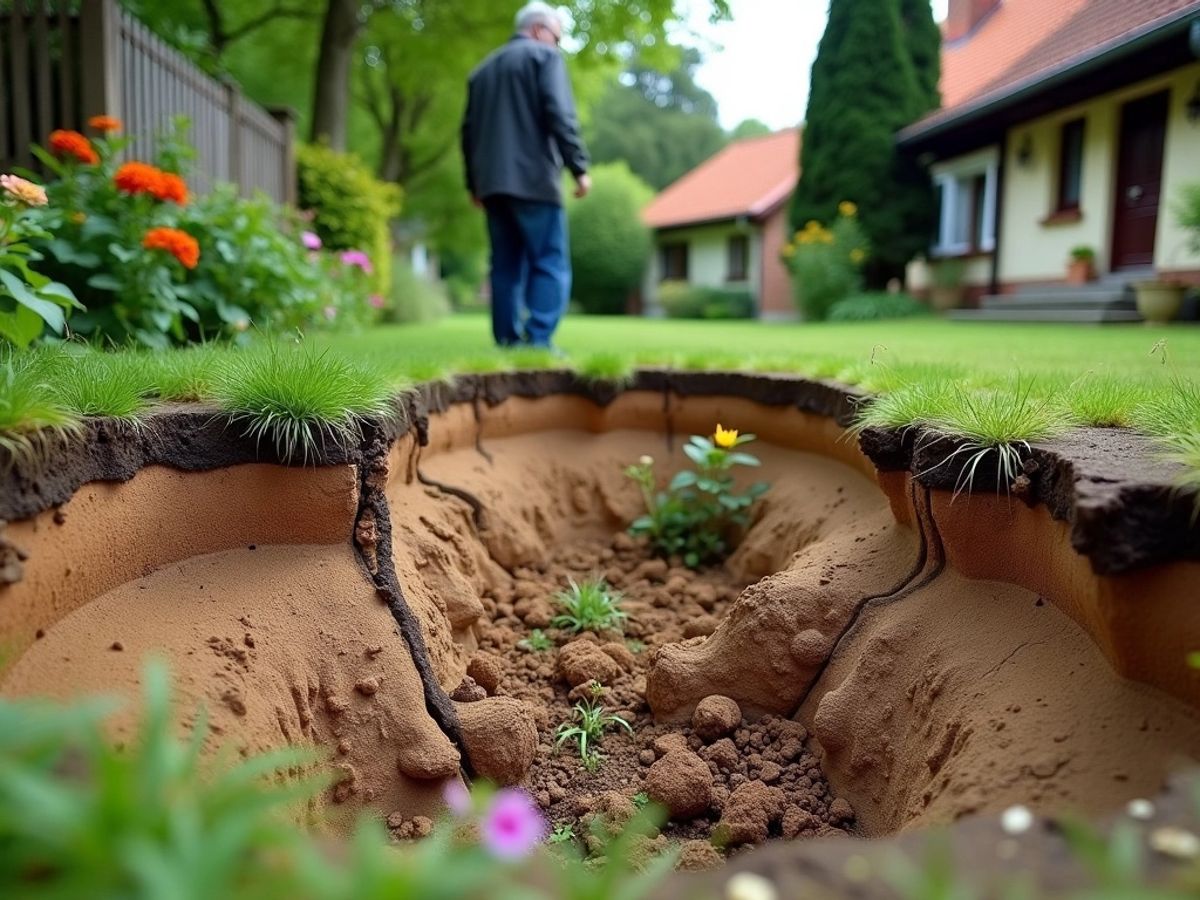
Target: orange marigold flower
(72, 143)
(171, 187)
(104, 124)
(138, 178)
(179, 244)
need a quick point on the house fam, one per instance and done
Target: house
(1064, 124)
(724, 224)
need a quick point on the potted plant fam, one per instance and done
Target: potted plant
(1081, 267)
(946, 291)
(1158, 302)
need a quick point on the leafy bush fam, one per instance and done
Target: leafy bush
(609, 244)
(681, 300)
(29, 301)
(696, 516)
(588, 724)
(1187, 212)
(153, 264)
(826, 262)
(413, 298)
(878, 305)
(350, 206)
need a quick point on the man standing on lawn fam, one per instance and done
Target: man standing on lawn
(519, 131)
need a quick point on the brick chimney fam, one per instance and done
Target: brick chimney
(964, 15)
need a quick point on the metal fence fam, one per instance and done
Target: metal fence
(63, 61)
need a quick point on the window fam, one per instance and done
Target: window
(966, 196)
(1070, 166)
(739, 258)
(675, 261)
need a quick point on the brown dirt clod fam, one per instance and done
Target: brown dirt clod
(500, 736)
(681, 782)
(715, 717)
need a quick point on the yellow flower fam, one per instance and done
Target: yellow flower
(725, 437)
(857, 255)
(789, 250)
(848, 209)
(78, 217)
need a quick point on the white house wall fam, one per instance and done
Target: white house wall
(708, 259)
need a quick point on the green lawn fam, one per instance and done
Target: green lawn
(997, 385)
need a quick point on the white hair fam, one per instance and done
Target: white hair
(537, 13)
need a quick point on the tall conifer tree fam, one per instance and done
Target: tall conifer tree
(865, 88)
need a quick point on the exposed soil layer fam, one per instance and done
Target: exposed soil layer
(851, 668)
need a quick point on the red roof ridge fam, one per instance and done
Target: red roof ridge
(749, 177)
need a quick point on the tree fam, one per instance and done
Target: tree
(924, 41)
(661, 124)
(609, 244)
(865, 87)
(749, 128)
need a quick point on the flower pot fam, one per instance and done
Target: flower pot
(1158, 302)
(943, 297)
(1079, 271)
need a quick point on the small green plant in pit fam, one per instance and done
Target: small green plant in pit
(590, 722)
(641, 799)
(634, 645)
(562, 834)
(590, 606)
(695, 517)
(537, 642)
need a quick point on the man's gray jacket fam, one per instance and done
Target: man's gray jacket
(520, 126)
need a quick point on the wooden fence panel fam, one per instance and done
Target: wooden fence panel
(63, 61)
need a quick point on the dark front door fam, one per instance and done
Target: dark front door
(1139, 180)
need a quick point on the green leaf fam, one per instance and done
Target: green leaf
(50, 312)
(696, 454)
(69, 254)
(743, 459)
(104, 282)
(684, 479)
(22, 326)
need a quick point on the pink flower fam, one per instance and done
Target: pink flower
(310, 240)
(331, 313)
(357, 258)
(457, 797)
(377, 300)
(512, 827)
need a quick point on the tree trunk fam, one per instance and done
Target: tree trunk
(331, 97)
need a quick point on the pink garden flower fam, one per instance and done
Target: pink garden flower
(23, 191)
(357, 258)
(512, 827)
(457, 797)
(377, 300)
(310, 240)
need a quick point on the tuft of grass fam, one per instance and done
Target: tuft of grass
(908, 407)
(300, 399)
(32, 414)
(533, 358)
(590, 606)
(999, 423)
(617, 368)
(1105, 401)
(1172, 412)
(113, 385)
(484, 364)
(537, 642)
(187, 376)
(587, 728)
(427, 371)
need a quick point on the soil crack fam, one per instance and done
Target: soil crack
(996, 668)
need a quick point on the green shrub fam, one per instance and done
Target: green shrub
(609, 244)
(681, 300)
(826, 263)
(876, 305)
(351, 207)
(695, 518)
(1187, 212)
(413, 298)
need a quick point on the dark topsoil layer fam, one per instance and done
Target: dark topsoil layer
(1121, 499)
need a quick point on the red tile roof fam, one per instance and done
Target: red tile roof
(1025, 39)
(748, 178)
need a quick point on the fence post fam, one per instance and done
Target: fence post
(286, 116)
(100, 62)
(233, 102)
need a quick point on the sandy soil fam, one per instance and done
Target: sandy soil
(281, 645)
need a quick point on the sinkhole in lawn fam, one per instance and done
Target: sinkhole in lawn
(836, 674)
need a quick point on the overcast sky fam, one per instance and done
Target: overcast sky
(768, 50)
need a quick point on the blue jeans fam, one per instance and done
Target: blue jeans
(531, 269)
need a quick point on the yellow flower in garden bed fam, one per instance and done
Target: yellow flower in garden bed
(725, 437)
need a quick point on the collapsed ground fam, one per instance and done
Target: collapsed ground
(948, 696)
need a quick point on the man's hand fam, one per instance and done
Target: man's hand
(583, 186)
(476, 202)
